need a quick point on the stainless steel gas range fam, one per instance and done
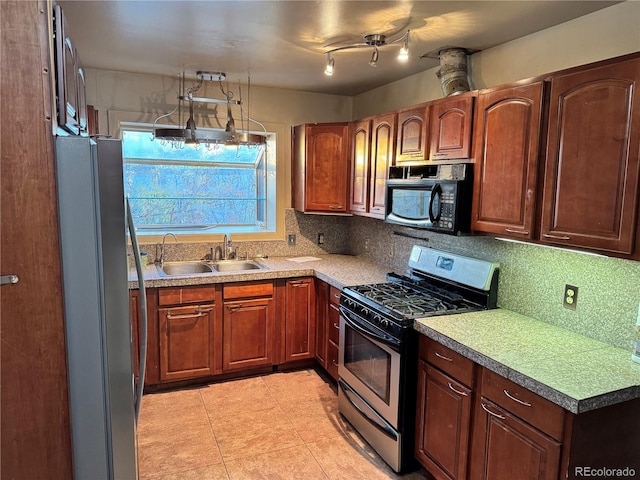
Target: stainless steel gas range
(378, 346)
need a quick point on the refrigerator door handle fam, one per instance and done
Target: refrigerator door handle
(143, 312)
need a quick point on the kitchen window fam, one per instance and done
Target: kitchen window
(208, 189)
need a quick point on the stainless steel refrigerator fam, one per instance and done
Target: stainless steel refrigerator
(104, 398)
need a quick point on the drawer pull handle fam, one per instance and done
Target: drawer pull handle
(198, 313)
(464, 394)
(526, 404)
(336, 207)
(484, 407)
(443, 357)
(519, 232)
(336, 326)
(557, 237)
(334, 362)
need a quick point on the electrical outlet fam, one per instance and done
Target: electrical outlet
(321, 239)
(366, 245)
(570, 299)
(292, 239)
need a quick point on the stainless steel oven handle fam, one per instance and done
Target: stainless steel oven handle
(378, 422)
(386, 339)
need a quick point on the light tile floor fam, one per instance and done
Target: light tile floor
(280, 426)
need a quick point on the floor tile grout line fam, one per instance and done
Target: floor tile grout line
(213, 432)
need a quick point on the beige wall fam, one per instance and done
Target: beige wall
(603, 34)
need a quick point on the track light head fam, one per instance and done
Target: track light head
(328, 69)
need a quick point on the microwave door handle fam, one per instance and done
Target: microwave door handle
(436, 191)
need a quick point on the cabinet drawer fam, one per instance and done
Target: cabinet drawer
(180, 295)
(450, 362)
(334, 295)
(334, 324)
(248, 289)
(332, 360)
(530, 407)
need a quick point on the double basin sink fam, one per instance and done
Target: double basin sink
(172, 269)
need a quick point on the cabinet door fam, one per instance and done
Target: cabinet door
(66, 75)
(322, 322)
(383, 135)
(320, 170)
(506, 139)
(591, 170)
(443, 423)
(248, 333)
(506, 448)
(413, 125)
(450, 128)
(360, 138)
(300, 320)
(187, 342)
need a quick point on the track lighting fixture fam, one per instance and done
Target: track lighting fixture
(375, 41)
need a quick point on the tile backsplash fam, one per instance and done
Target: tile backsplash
(532, 278)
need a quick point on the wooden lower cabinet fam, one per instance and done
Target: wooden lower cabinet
(507, 448)
(299, 320)
(247, 336)
(443, 423)
(334, 332)
(327, 326)
(444, 410)
(187, 342)
(502, 431)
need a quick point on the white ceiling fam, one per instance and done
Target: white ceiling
(282, 43)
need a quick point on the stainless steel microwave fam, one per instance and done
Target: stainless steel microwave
(433, 197)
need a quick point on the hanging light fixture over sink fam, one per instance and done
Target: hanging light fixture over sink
(191, 135)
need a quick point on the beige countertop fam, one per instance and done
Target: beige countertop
(337, 270)
(571, 370)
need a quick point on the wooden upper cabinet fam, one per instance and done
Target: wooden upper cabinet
(413, 127)
(360, 138)
(450, 127)
(507, 134)
(320, 168)
(383, 136)
(591, 172)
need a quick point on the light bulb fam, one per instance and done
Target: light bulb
(403, 55)
(374, 58)
(328, 69)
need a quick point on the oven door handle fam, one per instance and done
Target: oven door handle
(377, 421)
(386, 339)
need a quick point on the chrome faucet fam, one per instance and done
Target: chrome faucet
(230, 252)
(162, 247)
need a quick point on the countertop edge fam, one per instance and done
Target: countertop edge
(573, 405)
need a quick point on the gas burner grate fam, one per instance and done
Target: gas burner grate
(405, 300)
